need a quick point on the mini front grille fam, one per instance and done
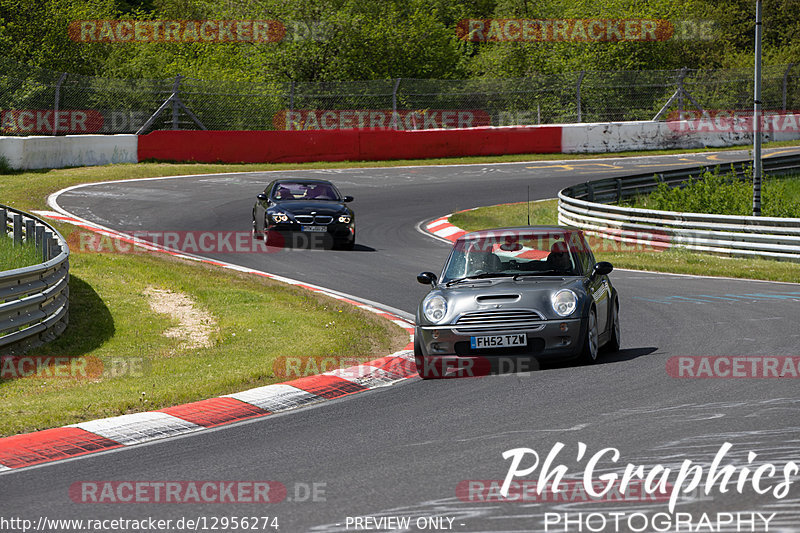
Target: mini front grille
(495, 320)
(304, 219)
(323, 219)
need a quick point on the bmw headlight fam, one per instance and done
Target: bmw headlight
(434, 308)
(344, 219)
(564, 302)
(280, 218)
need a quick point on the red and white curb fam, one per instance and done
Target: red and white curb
(55, 444)
(442, 228)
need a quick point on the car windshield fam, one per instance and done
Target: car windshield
(304, 191)
(512, 254)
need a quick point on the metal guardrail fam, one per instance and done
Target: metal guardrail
(34, 300)
(588, 206)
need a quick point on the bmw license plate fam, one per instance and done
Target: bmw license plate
(314, 229)
(498, 341)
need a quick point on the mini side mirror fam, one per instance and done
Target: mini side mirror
(603, 268)
(262, 197)
(347, 199)
(427, 278)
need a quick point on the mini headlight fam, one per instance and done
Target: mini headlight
(344, 219)
(280, 218)
(434, 308)
(564, 302)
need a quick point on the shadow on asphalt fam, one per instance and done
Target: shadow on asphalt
(481, 366)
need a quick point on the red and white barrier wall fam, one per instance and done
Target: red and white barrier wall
(372, 144)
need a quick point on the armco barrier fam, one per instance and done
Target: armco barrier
(68, 150)
(34, 300)
(588, 206)
(344, 145)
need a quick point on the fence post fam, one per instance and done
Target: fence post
(578, 90)
(55, 104)
(394, 95)
(4, 222)
(786, 84)
(680, 90)
(175, 105)
(291, 97)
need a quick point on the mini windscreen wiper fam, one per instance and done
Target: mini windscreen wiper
(542, 273)
(483, 275)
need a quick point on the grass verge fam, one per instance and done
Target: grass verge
(120, 360)
(676, 260)
(723, 193)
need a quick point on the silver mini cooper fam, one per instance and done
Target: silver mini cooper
(531, 291)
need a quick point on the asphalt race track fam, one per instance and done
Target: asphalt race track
(404, 450)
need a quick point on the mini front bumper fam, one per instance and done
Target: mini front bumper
(553, 338)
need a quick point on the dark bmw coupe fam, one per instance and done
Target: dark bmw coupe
(304, 212)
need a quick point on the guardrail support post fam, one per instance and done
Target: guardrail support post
(48, 236)
(39, 237)
(17, 229)
(29, 231)
(589, 191)
(619, 190)
(4, 222)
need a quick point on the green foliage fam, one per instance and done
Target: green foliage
(720, 193)
(353, 40)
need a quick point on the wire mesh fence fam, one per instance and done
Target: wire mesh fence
(42, 102)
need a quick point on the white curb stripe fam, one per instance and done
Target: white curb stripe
(138, 427)
(275, 398)
(408, 326)
(437, 223)
(447, 231)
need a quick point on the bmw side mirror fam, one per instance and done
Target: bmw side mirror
(347, 199)
(427, 278)
(262, 197)
(603, 268)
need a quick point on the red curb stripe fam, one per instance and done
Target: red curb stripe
(328, 387)
(50, 445)
(215, 411)
(454, 237)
